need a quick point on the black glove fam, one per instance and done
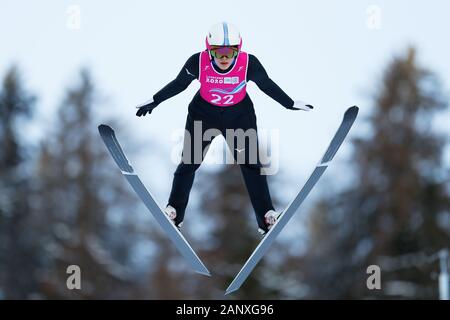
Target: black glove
(146, 107)
(300, 105)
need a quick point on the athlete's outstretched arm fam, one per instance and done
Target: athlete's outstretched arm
(188, 73)
(258, 74)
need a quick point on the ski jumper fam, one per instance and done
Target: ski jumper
(222, 103)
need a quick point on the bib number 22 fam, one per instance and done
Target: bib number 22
(228, 99)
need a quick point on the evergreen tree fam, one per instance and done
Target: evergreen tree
(18, 251)
(397, 198)
(85, 205)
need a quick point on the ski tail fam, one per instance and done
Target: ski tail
(263, 246)
(113, 146)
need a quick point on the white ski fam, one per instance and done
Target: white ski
(110, 140)
(261, 249)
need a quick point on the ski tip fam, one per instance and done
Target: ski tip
(104, 128)
(351, 113)
(352, 109)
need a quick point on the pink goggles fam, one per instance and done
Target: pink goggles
(228, 52)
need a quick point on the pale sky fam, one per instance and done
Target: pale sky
(328, 53)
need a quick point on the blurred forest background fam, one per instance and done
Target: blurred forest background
(64, 202)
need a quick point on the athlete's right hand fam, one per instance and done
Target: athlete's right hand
(145, 108)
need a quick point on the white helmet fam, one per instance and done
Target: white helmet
(223, 34)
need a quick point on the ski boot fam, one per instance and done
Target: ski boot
(171, 213)
(270, 218)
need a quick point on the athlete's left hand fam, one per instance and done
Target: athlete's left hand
(300, 105)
